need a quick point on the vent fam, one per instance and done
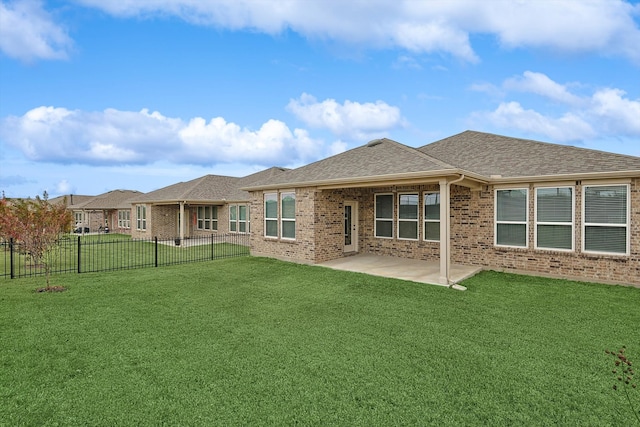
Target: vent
(374, 142)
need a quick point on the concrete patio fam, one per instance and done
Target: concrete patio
(403, 268)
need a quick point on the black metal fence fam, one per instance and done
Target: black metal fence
(108, 252)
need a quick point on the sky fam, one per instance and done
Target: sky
(98, 95)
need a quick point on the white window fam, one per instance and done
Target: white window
(238, 221)
(271, 215)
(384, 215)
(78, 216)
(141, 217)
(288, 215)
(512, 216)
(124, 219)
(432, 216)
(554, 218)
(207, 218)
(606, 219)
(408, 212)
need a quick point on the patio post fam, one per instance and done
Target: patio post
(445, 258)
(181, 225)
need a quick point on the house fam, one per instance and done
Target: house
(474, 198)
(82, 219)
(110, 211)
(203, 206)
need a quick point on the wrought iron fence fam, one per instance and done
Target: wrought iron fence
(108, 252)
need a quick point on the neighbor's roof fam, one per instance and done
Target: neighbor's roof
(207, 189)
(115, 199)
(492, 155)
(72, 200)
(481, 157)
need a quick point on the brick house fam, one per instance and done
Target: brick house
(474, 198)
(108, 211)
(207, 205)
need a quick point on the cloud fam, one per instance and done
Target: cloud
(602, 113)
(28, 32)
(114, 137)
(349, 119)
(603, 26)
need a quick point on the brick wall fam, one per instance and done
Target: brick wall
(319, 234)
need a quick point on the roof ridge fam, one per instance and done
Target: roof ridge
(425, 155)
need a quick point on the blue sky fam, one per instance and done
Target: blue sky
(97, 95)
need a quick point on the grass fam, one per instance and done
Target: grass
(254, 341)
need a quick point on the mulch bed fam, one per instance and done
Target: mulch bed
(52, 289)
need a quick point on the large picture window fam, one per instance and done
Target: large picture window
(408, 211)
(384, 215)
(271, 215)
(512, 214)
(288, 215)
(554, 218)
(141, 217)
(207, 218)
(432, 216)
(606, 219)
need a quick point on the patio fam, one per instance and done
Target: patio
(403, 268)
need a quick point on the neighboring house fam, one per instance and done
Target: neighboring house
(474, 198)
(82, 219)
(203, 206)
(110, 211)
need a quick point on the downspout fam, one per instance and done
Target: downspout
(445, 244)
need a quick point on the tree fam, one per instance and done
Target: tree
(37, 226)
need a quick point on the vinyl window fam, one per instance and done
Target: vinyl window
(606, 219)
(124, 219)
(384, 215)
(271, 215)
(511, 217)
(207, 218)
(555, 218)
(432, 216)
(141, 217)
(288, 215)
(408, 212)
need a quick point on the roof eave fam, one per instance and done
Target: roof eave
(566, 177)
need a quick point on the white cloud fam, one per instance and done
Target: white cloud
(64, 187)
(351, 119)
(28, 32)
(603, 26)
(542, 85)
(603, 113)
(116, 137)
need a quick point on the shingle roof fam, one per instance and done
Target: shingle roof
(115, 199)
(375, 159)
(72, 200)
(488, 154)
(208, 188)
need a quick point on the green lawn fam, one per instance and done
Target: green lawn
(254, 341)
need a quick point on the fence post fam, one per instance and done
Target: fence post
(13, 273)
(212, 254)
(79, 256)
(156, 252)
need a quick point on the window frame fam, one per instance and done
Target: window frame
(571, 223)
(287, 220)
(426, 220)
(207, 218)
(385, 219)
(525, 222)
(415, 220)
(124, 218)
(271, 196)
(141, 217)
(626, 225)
(236, 223)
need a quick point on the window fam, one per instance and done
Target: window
(384, 215)
(408, 212)
(207, 218)
(288, 213)
(271, 215)
(78, 216)
(124, 219)
(243, 218)
(238, 218)
(512, 214)
(432, 216)
(606, 219)
(554, 218)
(141, 217)
(233, 218)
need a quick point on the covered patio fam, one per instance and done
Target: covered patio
(403, 268)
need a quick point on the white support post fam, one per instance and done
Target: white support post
(181, 225)
(445, 232)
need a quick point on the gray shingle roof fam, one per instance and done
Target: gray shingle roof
(115, 199)
(377, 158)
(488, 154)
(208, 188)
